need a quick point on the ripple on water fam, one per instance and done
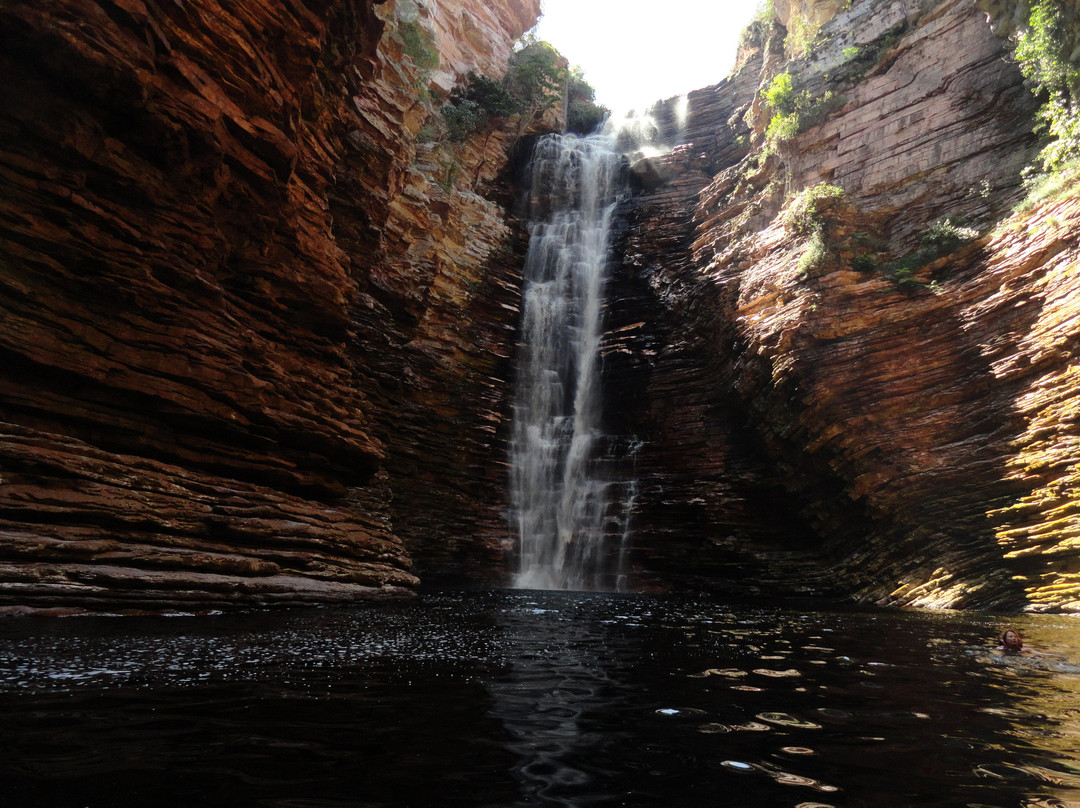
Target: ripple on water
(779, 776)
(832, 712)
(506, 698)
(713, 728)
(737, 765)
(731, 673)
(1042, 774)
(680, 711)
(785, 720)
(1005, 771)
(752, 726)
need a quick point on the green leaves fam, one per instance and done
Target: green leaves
(794, 111)
(1043, 53)
(536, 77)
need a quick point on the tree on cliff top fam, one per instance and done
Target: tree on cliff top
(583, 114)
(537, 78)
(1046, 51)
(536, 81)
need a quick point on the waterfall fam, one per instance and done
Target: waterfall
(569, 505)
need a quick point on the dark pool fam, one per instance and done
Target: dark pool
(526, 698)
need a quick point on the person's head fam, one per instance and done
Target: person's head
(1011, 641)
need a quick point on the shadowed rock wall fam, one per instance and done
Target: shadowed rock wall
(249, 339)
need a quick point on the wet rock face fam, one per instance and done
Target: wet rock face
(220, 336)
(911, 429)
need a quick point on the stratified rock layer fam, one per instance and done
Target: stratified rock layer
(257, 315)
(249, 337)
(920, 423)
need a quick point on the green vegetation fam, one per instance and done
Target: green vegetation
(1043, 52)
(419, 45)
(942, 237)
(536, 78)
(1048, 186)
(782, 100)
(583, 114)
(794, 111)
(449, 170)
(801, 31)
(805, 217)
(755, 34)
(470, 107)
(462, 117)
(945, 236)
(800, 37)
(535, 82)
(859, 61)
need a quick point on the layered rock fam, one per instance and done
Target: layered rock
(915, 413)
(259, 312)
(233, 291)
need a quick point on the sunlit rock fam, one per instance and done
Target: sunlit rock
(912, 420)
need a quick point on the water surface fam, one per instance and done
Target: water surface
(532, 698)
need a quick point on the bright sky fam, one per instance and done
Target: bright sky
(635, 52)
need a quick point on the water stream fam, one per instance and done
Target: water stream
(570, 506)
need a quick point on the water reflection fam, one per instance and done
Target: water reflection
(533, 698)
(556, 682)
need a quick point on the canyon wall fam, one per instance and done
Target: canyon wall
(912, 409)
(258, 311)
(253, 321)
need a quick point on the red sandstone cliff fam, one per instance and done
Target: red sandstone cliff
(921, 427)
(250, 337)
(256, 323)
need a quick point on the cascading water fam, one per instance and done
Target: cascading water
(570, 507)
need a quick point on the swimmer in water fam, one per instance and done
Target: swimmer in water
(1011, 643)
